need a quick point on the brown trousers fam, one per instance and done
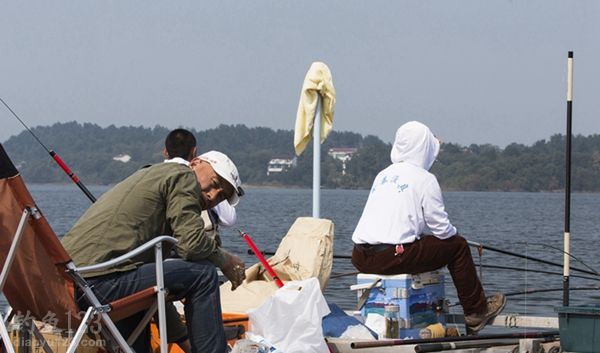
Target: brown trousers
(429, 254)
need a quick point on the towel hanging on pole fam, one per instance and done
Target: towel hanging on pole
(318, 81)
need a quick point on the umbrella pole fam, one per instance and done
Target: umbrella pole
(316, 160)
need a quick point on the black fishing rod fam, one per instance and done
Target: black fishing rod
(54, 156)
(271, 253)
(481, 247)
(570, 255)
(567, 233)
(506, 252)
(536, 271)
(450, 346)
(343, 274)
(545, 290)
(485, 247)
(519, 269)
(401, 342)
(537, 290)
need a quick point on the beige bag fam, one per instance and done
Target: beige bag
(306, 251)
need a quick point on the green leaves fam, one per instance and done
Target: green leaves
(90, 150)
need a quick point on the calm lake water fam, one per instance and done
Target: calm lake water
(526, 223)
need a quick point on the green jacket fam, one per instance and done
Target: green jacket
(163, 199)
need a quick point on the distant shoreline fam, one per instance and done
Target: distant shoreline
(279, 187)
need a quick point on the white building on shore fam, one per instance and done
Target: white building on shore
(343, 154)
(281, 164)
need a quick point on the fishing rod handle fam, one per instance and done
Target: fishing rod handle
(64, 166)
(261, 258)
(71, 175)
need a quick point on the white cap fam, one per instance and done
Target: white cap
(225, 168)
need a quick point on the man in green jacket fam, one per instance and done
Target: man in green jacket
(180, 147)
(165, 198)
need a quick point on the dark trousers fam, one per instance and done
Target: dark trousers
(428, 254)
(197, 282)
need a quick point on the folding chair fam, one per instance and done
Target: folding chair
(39, 278)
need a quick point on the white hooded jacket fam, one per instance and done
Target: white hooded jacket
(406, 200)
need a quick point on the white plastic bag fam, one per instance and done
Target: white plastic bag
(291, 318)
(357, 332)
(376, 323)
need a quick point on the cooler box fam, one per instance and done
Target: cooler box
(579, 328)
(420, 298)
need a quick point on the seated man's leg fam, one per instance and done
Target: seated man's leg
(176, 328)
(456, 254)
(196, 282)
(115, 286)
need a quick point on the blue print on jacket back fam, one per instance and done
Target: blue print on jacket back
(402, 187)
(395, 180)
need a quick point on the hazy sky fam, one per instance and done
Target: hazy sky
(476, 71)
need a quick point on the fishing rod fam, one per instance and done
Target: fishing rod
(520, 269)
(261, 258)
(506, 252)
(570, 255)
(536, 271)
(401, 342)
(537, 290)
(271, 253)
(54, 156)
(481, 246)
(450, 346)
(567, 232)
(544, 290)
(343, 274)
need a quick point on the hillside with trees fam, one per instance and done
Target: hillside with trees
(90, 151)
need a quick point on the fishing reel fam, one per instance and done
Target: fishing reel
(441, 306)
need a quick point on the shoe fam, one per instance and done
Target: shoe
(495, 305)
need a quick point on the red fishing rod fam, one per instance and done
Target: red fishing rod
(261, 258)
(55, 156)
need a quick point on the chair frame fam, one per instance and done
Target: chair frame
(4, 275)
(116, 341)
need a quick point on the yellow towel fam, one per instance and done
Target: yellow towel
(317, 81)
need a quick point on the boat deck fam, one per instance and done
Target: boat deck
(503, 324)
(343, 346)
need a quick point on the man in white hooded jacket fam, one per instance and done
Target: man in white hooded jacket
(404, 227)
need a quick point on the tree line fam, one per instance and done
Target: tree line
(89, 150)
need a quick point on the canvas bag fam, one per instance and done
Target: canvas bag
(291, 318)
(306, 251)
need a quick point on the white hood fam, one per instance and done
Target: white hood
(415, 144)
